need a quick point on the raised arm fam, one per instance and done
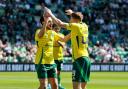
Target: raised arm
(66, 38)
(56, 20)
(62, 41)
(43, 29)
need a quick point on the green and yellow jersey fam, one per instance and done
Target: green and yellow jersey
(79, 39)
(44, 54)
(57, 49)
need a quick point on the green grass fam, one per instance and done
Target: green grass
(99, 80)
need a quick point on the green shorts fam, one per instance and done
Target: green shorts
(81, 70)
(46, 70)
(59, 63)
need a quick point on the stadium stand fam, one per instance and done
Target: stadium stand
(107, 21)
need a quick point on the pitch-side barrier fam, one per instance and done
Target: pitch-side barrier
(97, 67)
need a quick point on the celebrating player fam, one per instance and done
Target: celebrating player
(44, 61)
(79, 40)
(58, 53)
(46, 69)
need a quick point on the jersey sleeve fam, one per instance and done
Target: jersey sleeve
(71, 26)
(36, 35)
(57, 36)
(62, 36)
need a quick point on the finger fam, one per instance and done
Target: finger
(66, 10)
(67, 13)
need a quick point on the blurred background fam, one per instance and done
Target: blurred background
(107, 21)
(108, 41)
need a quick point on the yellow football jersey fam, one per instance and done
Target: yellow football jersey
(57, 49)
(44, 54)
(79, 39)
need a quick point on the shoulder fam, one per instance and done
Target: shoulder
(84, 24)
(37, 31)
(36, 34)
(74, 24)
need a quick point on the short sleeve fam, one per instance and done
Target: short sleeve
(71, 26)
(57, 36)
(36, 35)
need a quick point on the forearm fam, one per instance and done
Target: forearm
(58, 21)
(61, 43)
(66, 38)
(42, 31)
(55, 20)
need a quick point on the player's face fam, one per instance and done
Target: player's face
(72, 20)
(50, 23)
(57, 29)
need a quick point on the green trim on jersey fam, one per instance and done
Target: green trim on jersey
(77, 39)
(37, 44)
(42, 54)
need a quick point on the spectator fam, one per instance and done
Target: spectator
(107, 22)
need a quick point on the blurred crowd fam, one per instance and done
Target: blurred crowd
(107, 21)
(22, 52)
(17, 53)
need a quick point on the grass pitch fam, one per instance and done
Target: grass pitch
(99, 80)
